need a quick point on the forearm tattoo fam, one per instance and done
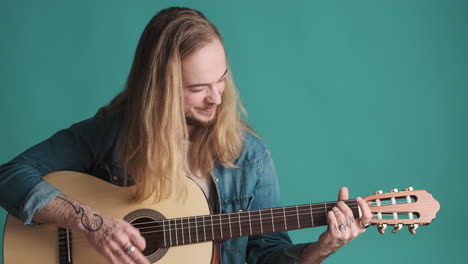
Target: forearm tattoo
(91, 224)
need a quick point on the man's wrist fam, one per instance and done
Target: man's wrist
(314, 253)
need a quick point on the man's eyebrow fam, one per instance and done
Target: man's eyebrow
(206, 84)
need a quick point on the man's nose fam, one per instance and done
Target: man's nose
(214, 97)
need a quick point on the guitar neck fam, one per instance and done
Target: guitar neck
(189, 230)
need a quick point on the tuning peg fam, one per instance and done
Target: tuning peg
(408, 189)
(397, 227)
(378, 192)
(381, 228)
(412, 228)
(394, 190)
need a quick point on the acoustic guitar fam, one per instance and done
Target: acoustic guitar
(184, 231)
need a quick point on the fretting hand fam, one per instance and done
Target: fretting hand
(342, 228)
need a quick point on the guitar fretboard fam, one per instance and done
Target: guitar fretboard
(189, 230)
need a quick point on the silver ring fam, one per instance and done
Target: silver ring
(342, 226)
(130, 250)
(365, 225)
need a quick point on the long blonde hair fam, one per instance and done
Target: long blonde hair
(153, 143)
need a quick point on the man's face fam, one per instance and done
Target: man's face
(203, 75)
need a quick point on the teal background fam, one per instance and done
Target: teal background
(367, 94)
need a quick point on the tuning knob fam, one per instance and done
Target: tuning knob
(381, 228)
(378, 192)
(397, 227)
(412, 228)
(394, 190)
(408, 189)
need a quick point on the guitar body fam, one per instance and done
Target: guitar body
(39, 244)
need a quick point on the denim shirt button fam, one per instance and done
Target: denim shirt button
(216, 179)
(114, 178)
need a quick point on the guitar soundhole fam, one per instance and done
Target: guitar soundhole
(150, 230)
(148, 222)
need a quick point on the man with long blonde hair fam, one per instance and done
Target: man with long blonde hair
(179, 116)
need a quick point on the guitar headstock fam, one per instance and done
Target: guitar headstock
(408, 207)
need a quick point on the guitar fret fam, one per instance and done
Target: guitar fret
(326, 211)
(68, 245)
(182, 231)
(164, 232)
(217, 228)
(189, 230)
(261, 224)
(240, 227)
(204, 227)
(230, 227)
(175, 226)
(196, 227)
(272, 218)
(311, 216)
(212, 227)
(250, 223)
(297, 214)
(170, 233)
(221, 226)
(284, 215)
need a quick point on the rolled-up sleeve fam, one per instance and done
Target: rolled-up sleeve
(23, 191)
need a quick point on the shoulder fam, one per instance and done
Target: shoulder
(98, 133)
(107, 116)
(254, 150)
(105, 120)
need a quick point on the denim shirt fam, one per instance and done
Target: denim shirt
(90, 147)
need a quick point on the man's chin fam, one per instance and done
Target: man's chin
(193, 121)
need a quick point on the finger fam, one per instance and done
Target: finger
(112, 253)
(135, 237)
(348, 214)
(125, 246)
(343, 194)
(122, 239)
(138, 257)
(340, 219)
(332, 222)
(365, 211)
(121, 252)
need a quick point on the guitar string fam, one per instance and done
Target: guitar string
(304, 207)
(219, 224)
(241, 219)
(223, 227)
(171, 226)
(154, 234)
(184, 233)
(246, 216)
